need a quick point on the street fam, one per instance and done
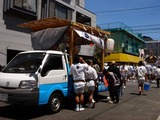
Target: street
(130, 107)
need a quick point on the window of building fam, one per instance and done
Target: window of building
(77, 2)
(69, 14)
(29, 5)
(51, 9)
(81, 18)
(26, 9)
(60, 11)
(67, 1)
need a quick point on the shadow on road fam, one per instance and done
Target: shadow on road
(138, 94)
(22, 112)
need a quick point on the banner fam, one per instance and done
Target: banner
(96, 40)
(87, 50)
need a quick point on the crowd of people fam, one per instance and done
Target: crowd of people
(85, 75)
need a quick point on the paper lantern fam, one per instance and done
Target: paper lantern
(109, 45)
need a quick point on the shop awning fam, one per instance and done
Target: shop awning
(122, 57)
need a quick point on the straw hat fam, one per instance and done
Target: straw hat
(113, 62)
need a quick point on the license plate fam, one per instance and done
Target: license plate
(3, 97)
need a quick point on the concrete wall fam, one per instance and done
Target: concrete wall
(10, 37)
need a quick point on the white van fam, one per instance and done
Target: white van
(37, 78)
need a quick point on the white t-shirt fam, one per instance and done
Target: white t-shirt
(149, 68)
(158, 72)
(91, 73)
(141, 72)
(123, 70)
(77, 70)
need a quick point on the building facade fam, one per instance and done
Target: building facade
(15, 12)
(127, 43)
(153, 47)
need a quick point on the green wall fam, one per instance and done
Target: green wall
(126, 42)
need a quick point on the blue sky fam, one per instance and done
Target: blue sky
(143, 16)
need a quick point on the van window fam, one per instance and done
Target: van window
(54, 62)
(25, 63)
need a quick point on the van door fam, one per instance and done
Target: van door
(53, 77)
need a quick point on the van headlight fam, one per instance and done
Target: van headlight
(28, 84)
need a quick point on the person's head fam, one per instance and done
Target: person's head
(76, 59)
(90, 62)
(105, 64)
(140, 63)
(112, 63)
(95, 61)
(105, 71)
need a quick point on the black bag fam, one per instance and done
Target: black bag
(116, 79)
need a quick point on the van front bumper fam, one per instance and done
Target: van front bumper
(19, 96)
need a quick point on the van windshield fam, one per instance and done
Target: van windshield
(25, 63)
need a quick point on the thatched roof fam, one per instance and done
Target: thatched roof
(57, 22)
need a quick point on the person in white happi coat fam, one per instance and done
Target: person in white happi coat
(141, 76)
(123, 70)
(91, 77)
(77, 70)
(157, 73)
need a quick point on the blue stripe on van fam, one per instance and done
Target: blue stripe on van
(47, 89)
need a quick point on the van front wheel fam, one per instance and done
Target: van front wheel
(55, 103)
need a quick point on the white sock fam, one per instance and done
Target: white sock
(77, 106)
(81, 106)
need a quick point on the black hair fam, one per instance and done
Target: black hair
(76, 59)
(89, 61)
(140, 63)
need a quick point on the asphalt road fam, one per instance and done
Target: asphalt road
(130, 107)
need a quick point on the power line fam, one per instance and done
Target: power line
(151, 25)
(150, 32)
(144, 29)
(146, 25)
(121, 10)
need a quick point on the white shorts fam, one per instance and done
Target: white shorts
(91, 85)
(141, 80)
(79, 87)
